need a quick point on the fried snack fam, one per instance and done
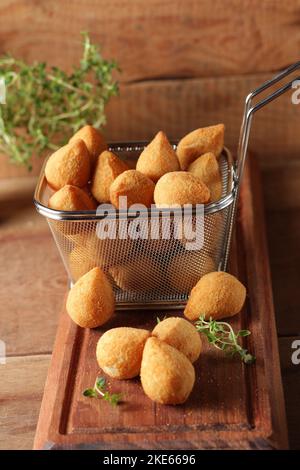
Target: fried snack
(217, 295)
(198, 142)
(179, 188)
(90, 301)
(69, 165)
(90, 251)
(138, 275)
(207, 169)
(79, 268)
(93, 139)
(119, 352)
(81, 261)
(185, 263)
(137, 187)
(158, 158)
(108, 167)
(71, 198)
(180, 334)
(167, 376)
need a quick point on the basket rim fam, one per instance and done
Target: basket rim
(59, 215)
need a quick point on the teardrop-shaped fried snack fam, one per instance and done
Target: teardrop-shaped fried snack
(88, 250)
(137, 187)
(198, 142)
(108, 167)
(84, 255)
(158, 158)
(119, 352)
(93, 139)
(167, 376)
(217, 295)
(207, 169)
(179, 188)
(184, 271)
(69, 165)
(180, 334)
(71, 198)
(90, 301)
(79, 266)
(138, 275)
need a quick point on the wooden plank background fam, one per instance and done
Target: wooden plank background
(184, 64)
(157, 39)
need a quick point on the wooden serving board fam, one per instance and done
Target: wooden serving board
(232, 406)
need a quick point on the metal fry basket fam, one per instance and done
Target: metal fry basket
(146, 268)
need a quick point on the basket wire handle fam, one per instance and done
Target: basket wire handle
(249, 111)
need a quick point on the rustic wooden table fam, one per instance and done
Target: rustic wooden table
(33, 283)
(197, 72)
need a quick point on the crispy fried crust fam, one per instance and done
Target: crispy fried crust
(138, 275)
(167, 376)
(119, 351)
(93, 139)
(90, 251)
(198, 142)
(207, 169)
(108, 167)
(217, 295)
(180, 334)
(91, 302)
(158, 158)
(71, 198)
(69, 165)
(179, 188)
(137, 187)
(187, 262)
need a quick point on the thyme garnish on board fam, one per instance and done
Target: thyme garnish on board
(221, 335)
(100, 391)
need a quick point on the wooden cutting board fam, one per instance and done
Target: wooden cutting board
(232, 406)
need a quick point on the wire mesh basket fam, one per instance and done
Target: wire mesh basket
(155, 271)
(146, 268)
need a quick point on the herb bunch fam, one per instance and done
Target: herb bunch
(221, 335)
(46, 105)
(100, 391)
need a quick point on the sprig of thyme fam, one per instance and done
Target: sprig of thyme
(221, 335)
(158, 320)
(46, 105)
(100, 391)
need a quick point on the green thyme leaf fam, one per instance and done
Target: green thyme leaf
(90, 392)
(113, 398)
(100, 391)
(244, 333)
(222, 336)
(101, 383)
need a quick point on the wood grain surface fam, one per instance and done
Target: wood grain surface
(179, 106)
(157, 39)
(19, 217)
(21, 389)
(184, 64)
(32, 277)
(196, 65)
(231, 406)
